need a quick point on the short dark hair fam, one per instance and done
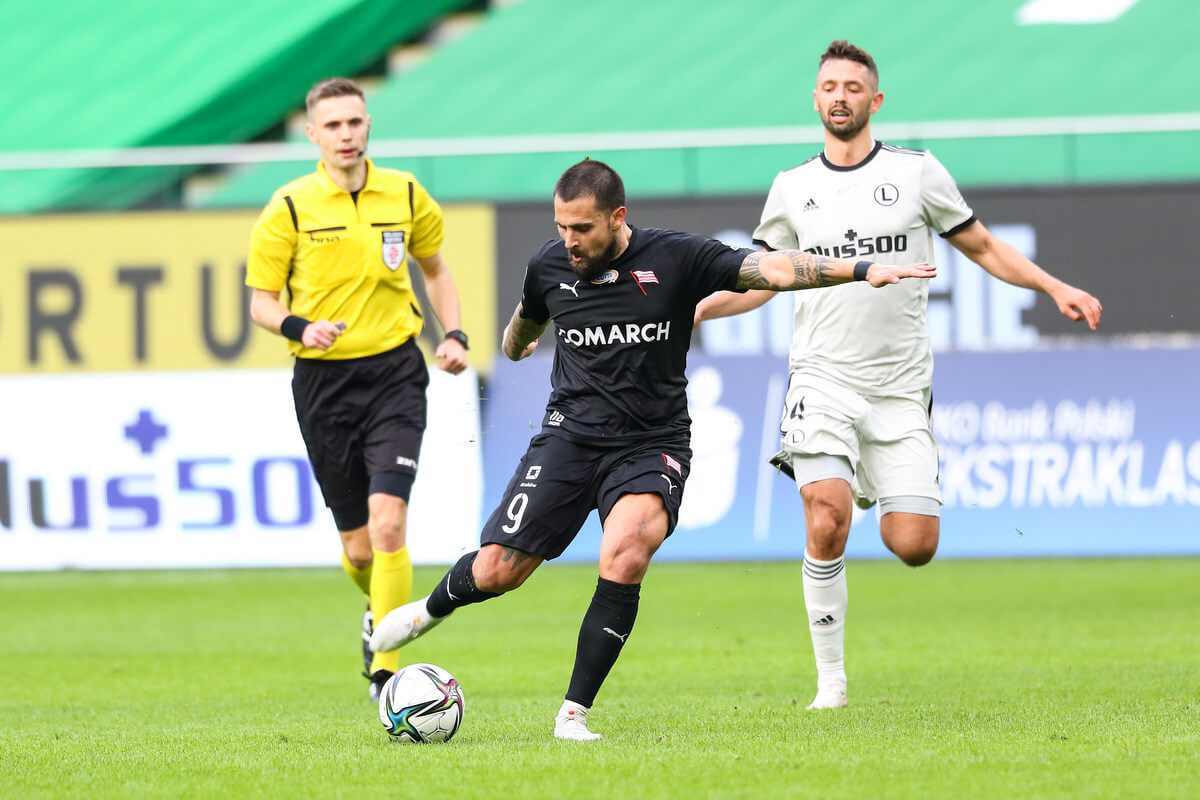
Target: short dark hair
(331, 87)
(593, 179)
(844, 50)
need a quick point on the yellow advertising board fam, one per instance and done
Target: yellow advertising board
(164, 291)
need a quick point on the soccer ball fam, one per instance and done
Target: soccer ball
(421, 703)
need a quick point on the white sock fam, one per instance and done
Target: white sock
(571, 708)
(826, 599)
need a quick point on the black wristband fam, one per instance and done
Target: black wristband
(459, 337)
(293, 327)
(860, 270)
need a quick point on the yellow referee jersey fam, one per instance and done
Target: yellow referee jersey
(345, 260)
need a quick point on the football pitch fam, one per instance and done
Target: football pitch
(1030, 679)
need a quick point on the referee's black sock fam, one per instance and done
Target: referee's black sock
(606, 625)
(457, 589)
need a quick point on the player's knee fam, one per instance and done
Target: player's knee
(386, 530)
(628, 558)
(828, 524)
(359, 556)
(910, 534)
(626, 567)
(915, 549)
(917, 556)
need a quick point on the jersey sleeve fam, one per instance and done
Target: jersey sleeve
(942, 206)
(272, 246)
(533, 299)
(428, 231)
(774, 230)
(714, 264)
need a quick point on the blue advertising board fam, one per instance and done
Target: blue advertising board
(1092, 451)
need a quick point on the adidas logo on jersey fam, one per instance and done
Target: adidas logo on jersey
(556, 419)
(811, 205)
(825, 621)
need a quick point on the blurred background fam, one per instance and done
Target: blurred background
(144, 422)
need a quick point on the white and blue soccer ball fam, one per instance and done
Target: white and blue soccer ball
(421, 703)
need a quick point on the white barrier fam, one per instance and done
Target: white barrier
(202, 469)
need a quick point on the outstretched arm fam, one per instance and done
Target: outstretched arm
(977, 243)
(790, 270)
(728, 304)
(520, 336)
(1000, 259)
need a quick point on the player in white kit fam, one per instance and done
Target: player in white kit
(856, 422)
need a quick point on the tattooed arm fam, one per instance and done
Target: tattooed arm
(520, 336)
(789, 270)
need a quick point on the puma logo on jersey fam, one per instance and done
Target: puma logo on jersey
(670, 486)
(570, 288)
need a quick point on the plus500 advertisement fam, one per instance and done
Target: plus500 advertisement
(199, 469)
(1072, 452)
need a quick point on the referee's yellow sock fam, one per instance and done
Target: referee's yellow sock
(391, 585)
(361, 577)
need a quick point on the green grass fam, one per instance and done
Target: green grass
(1029, 679)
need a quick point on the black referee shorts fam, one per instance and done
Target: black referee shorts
(362, 420)
(558, 482)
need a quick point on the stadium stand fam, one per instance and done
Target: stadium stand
(556, 68)
(683, 99)
(84, 75)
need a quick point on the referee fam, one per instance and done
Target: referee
(338, 239)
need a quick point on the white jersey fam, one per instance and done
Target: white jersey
(885, 209)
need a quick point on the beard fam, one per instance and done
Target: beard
(589, 268)
(848, 129)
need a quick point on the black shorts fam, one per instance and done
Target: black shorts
(361, 417)
(558, 482)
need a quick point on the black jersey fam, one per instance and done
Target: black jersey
(622, 339)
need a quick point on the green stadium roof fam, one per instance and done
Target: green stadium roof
(84, 74)
(88, 75)
(560, 67)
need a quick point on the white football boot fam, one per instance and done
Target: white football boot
(401, 625)
(831, 693)
(571, 723)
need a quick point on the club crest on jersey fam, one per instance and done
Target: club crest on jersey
(886, 194)
(608, 277)
(393, 249)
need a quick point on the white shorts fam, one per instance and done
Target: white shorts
(887, 440)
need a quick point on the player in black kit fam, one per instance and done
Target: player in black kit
(616, 432)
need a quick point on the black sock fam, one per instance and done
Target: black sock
(606, 625)
(457, 589)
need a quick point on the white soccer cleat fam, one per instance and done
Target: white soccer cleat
(831, 694)
(571, 724)
(401, 625)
